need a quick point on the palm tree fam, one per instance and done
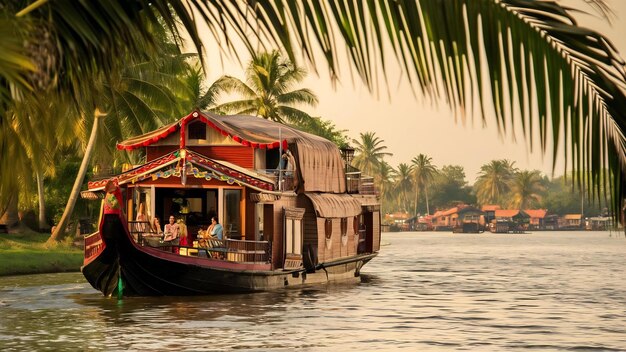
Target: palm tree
(370, 152)
(139, 98)
(268, 90)
(384, 180)
(38, 146)
(504, 54)
(423, 173)
(404, 183)
(526, 189)
(493, 181)
(325, 129)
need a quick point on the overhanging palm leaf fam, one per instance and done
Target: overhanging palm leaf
(516, 48)
(527, 53)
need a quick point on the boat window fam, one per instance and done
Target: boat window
(197, 130)
(355, 225)
(328, 228)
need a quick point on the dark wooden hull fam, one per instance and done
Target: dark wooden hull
(146, 271)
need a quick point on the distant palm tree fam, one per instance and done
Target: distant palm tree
(404, 184)
(384, 180)
(494, 181)
(370, 152)
(526, 189)
(269, 90)
(423, 173)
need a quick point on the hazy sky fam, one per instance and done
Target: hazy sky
(410, 126)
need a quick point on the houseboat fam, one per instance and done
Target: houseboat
(509, 221)
(283, 225)
(469, 220)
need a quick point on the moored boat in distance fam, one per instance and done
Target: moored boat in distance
(287, 214)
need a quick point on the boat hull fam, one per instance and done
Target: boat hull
(125, 268)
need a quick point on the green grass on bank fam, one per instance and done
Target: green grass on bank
(26, 252)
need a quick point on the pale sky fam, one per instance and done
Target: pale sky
(410, 126)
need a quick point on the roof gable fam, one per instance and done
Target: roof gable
(537, 213)
(196, 166)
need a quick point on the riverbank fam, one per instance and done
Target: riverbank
(26, 252)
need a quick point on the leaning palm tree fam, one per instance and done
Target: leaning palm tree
(526, 189)
(269, 90)
(138, 98)
(370, 152)
(423, 174)
(494, 181)
(509, 55)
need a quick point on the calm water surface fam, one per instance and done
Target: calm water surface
(425, 291)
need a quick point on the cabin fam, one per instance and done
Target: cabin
(458, 217)
(398, 221)
(537, 218)
(571, 222)
(469, 220)
(598, 223)
(490, 212)
(285, 213)
(509, 220)
(444, 220)
(424, 223)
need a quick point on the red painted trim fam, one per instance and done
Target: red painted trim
(183, 123)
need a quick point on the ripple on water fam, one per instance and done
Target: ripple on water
(425, 291)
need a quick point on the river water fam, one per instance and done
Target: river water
(425, 291)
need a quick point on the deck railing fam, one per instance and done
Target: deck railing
(230, 250)
(357, 183)
(283, 179)
(93, 244)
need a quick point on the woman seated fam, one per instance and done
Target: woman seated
(156, 226)
(215, 231)
(171, 230)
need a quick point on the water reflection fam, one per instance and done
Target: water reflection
(425, 291)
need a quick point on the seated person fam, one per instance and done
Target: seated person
(215, 229)
(171, 230)
(156, 226)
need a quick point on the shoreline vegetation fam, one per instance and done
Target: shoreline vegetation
(23, 251)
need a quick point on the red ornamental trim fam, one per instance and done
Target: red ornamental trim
(237, 176)
(134, 172)
(183, 122)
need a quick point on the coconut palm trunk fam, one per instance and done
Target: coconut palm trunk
(42, 201)
(426, 195)
(71, 202)
(417, 195)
